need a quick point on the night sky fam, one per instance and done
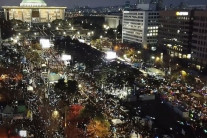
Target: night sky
(95, 3)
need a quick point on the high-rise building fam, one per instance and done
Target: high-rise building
(158, 3)
(140, 1)
(140, 27)
(127, 5)
(35, 11)
(175, 33)
(199, 40)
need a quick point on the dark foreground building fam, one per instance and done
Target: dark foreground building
(199, 40)
(183, 35)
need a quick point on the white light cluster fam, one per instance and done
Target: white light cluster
(23, 133)
(182, 13)
(110, 55)
(65, 57)
(45, 43)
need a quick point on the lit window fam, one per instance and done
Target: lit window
(188, 56)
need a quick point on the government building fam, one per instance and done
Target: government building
(35, 11)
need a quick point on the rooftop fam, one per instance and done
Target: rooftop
(33, 3)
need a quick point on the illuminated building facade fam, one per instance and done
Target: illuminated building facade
(35, 11)
(175, 33)
(140, 27)
(183, 34)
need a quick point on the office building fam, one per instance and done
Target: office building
(141, 27)
(175, 33)
(199, 40)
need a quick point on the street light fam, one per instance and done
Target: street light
(157, 59)
(55, 114)
(49, 25)
(183, 73)
(79, 86)
(153, 59)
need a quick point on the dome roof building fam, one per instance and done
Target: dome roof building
(33, 3)
(34, 11)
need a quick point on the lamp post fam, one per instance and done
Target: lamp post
(152, 59)
(55, 114)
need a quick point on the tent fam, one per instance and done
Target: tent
(196, 95)
(134, 135)
(30, 88)
(116, 121)
(53, 77)
(8, 110)
(155, 71)
(21, 108)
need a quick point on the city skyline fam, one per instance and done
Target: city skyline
(95, 3)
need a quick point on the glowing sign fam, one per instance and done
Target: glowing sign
(23, 133)
(182, 13)
(110, 55)
(66, 57)
(45, 43)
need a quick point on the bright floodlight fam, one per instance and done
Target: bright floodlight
(110, 55)
(66, 57)
(45, 43)
(23, 133)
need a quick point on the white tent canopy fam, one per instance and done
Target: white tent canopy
(134, 135)
(30, 88)
(44, 65)
(53, 77)
(155, 71)
(117, 121)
